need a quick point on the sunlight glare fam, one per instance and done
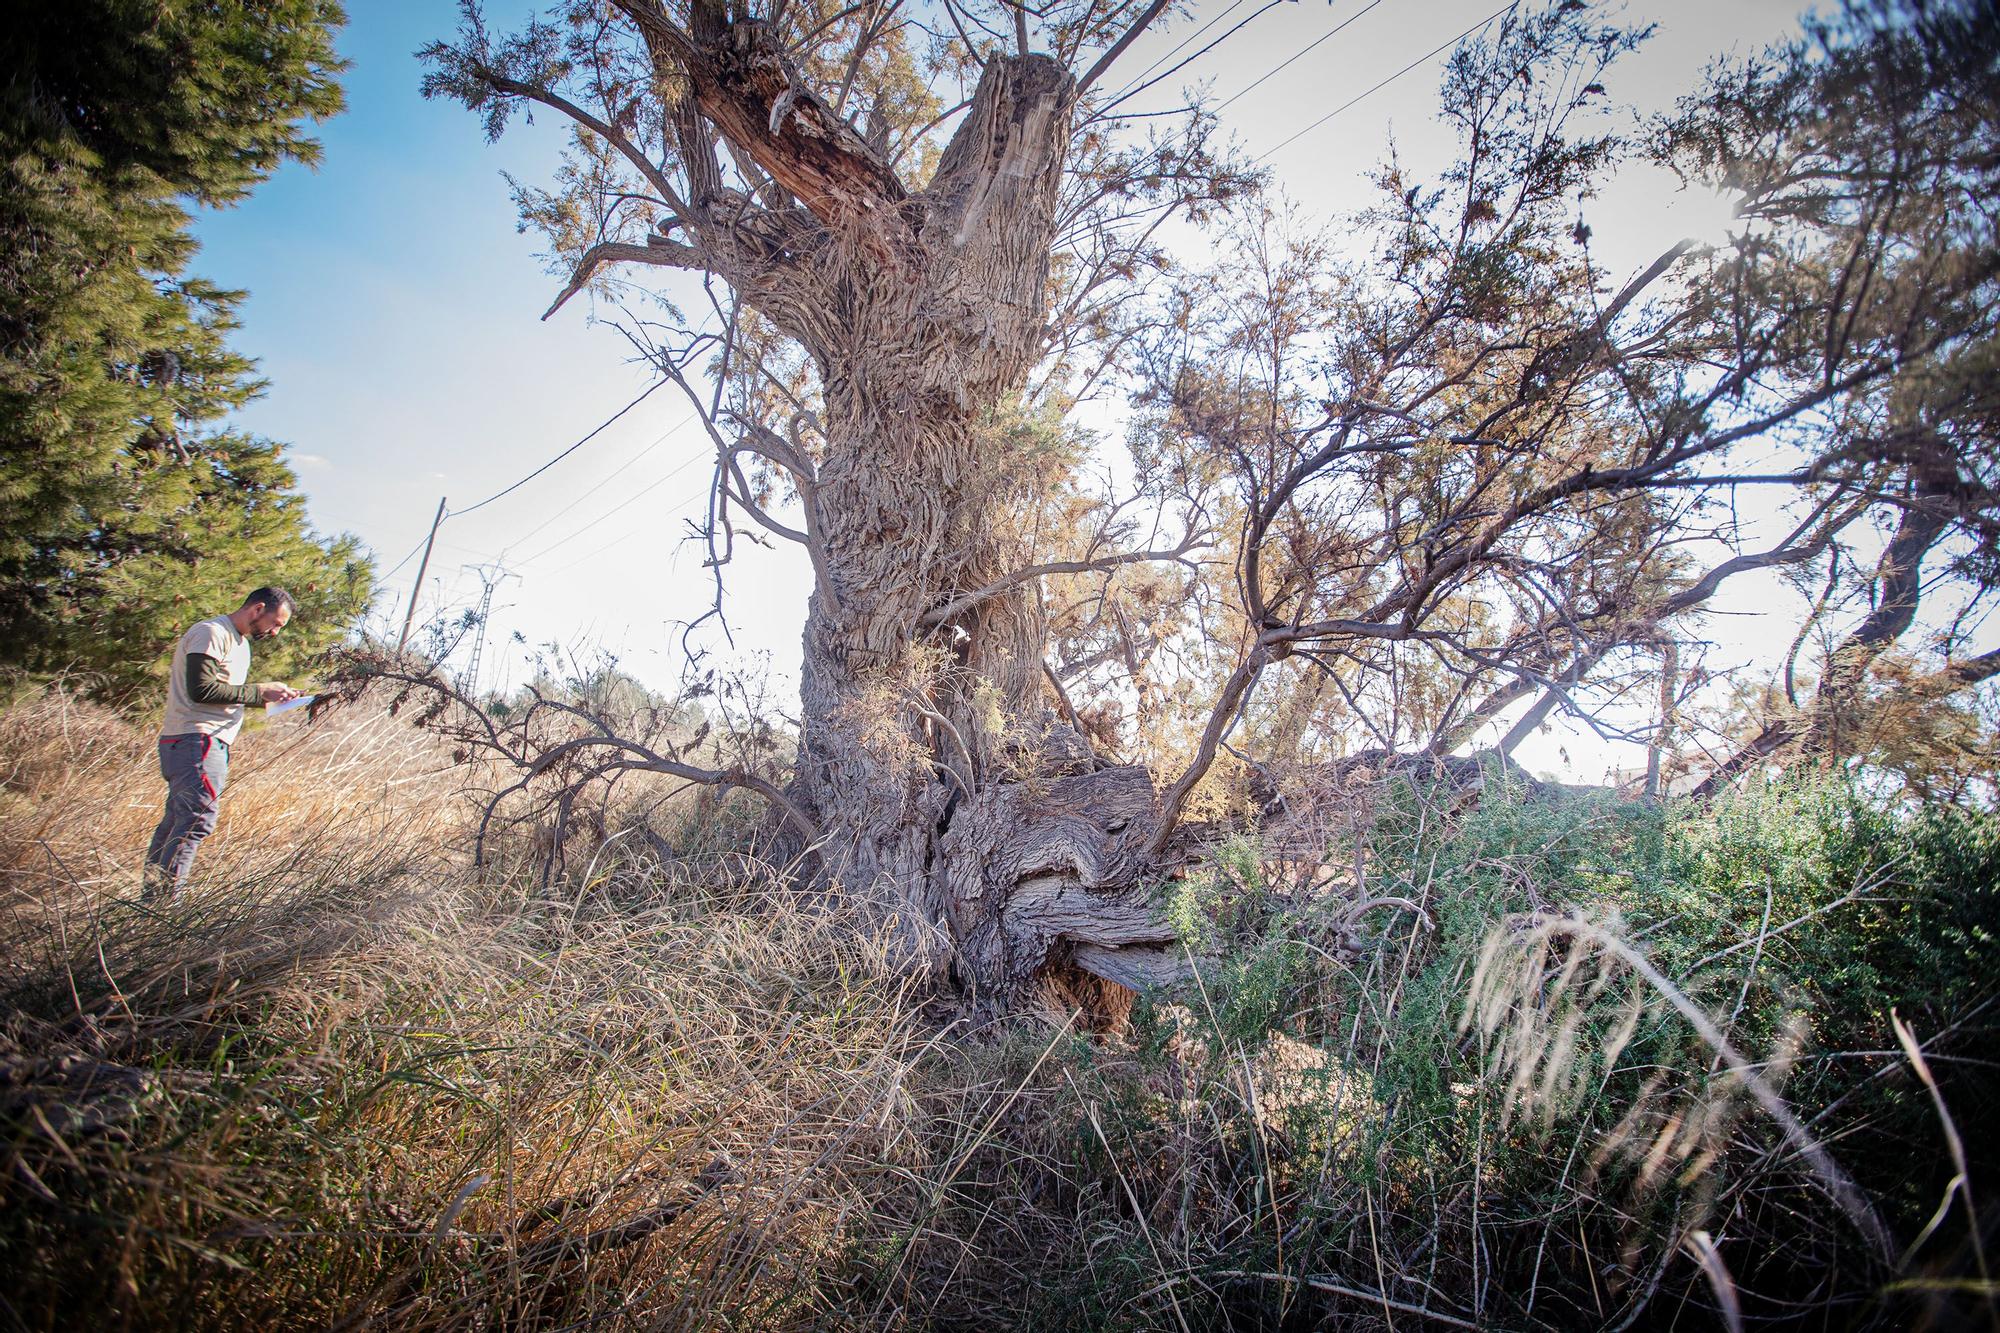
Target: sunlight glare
(1707, 217)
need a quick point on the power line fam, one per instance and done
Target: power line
(594, 433)
(613, 475)
(1332, 32)
(1185, 43)
(1268, 153)
(391, 572)
(1135, 91)
(626, 503)
(627, 536)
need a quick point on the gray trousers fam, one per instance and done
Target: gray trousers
(195, 766)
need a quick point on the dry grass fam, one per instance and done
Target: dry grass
(345, 1081)
(341, 1082)
(81, 792)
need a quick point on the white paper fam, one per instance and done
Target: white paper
(272, 710)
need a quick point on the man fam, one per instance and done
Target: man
(206, 695)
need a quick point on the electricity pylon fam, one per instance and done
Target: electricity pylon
(491, 576)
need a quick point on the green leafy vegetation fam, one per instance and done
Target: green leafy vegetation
(128, 510)
(1565, 1110)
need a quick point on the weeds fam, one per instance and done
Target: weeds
(1535, 1064)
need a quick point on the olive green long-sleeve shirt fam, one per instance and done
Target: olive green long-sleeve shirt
(208, 683)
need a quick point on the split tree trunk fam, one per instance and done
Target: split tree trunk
(941, 782)
(935, 764)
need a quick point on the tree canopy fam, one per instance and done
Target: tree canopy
(1383, 495)
(1478, 468)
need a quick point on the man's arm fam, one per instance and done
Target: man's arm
(208, 683)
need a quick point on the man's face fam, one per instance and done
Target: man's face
(270, 619)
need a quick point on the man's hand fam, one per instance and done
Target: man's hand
(275, 692)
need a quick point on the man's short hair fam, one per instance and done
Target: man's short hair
(271, 597)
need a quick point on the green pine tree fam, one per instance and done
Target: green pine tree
(127, 509)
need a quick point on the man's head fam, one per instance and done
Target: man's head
(265, 612)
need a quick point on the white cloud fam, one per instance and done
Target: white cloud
(312, 462)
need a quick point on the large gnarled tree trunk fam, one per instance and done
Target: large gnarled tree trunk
(931, 758)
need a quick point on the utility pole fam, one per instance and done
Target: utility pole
(422, 566)
(492, 576)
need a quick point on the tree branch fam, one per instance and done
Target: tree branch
(747, 88)
(1117, 48)
(655, 177)
(958, 606)
(660, 253)
(1221, 720)
(651, 762)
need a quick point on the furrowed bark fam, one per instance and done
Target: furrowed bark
(922, 689)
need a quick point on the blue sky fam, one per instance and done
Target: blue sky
(396, 311)
(393, 306)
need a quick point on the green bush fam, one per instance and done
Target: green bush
(1576, 1139)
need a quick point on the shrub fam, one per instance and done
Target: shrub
(1530, 1130)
